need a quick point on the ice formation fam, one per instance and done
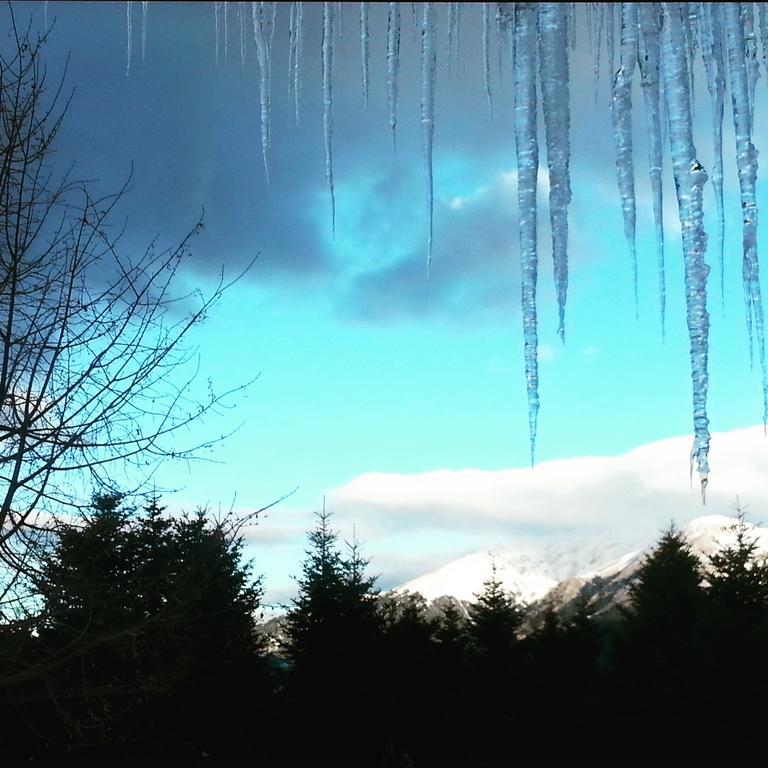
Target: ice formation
(662, 41)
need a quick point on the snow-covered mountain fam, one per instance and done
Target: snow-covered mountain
(559, 572)
(528, 570)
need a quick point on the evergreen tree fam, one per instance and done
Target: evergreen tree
(333, 628)
(659, 679)
(737, 631)
(737, 577)
(494, 619)
(148, 634)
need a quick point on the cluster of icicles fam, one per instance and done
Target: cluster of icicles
(658, 41)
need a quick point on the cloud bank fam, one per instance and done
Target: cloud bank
(634, 493)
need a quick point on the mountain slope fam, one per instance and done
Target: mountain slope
(559, 572)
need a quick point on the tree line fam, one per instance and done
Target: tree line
(144, 644)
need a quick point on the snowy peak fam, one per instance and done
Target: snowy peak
(529, 571)
(463, 578)
(560, 570)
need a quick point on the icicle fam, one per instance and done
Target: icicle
(428, 72)
(364, 49)
(746, 160)
(689, 26)
(750, 50)
(610, 40)
(553, 64)
(263, 28)
(763, 22)
(225, 8)
(621, 112)
(690, 178)
(298, 58)
(598, 43)
(291, 48)
(500, 42)
(338, 22)
(45, 15)
(453, 15)
(144, 11)
(242, 19)
(712, 53)
(216, 14)
(328, 40)
(129, 27)
(648, 60)
(393, 65)
(572, 25)
(486, 57)
(459, 9)
(527, 171)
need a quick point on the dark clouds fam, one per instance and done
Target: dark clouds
(474, 268)
(191, 130)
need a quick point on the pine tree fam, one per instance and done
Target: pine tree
(148, 632)
(737, 631)
(494, 619)
(333, 628)
(314, 620)
(666, 595)
(737, 576)
(659, 675)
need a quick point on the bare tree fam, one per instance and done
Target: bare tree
(92, 367)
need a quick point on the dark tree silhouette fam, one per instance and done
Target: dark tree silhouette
(737, 632)
(663, 652)
(146, 641)
(332, 631)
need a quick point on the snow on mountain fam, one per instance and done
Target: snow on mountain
(560, 571)
(529, 570)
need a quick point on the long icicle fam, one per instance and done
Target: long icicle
(610, 40)
(129, 31)
(621, 112)
(690, 178)
(600, 11)
(712, 53)
(487, 57)
(298, 59)
(216, 26)
(327, 57)
(746, 159)
(365, 39)
(750, 52)
(263, 25)
(428, 73)
(144, 12)
(241, 15)
(393, 65)
(291, 48)
(527, 151)
(225, 9)
(763, 26)
(649, 19)
(553, 66)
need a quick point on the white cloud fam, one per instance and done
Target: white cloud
(637, 492)
(411, 524)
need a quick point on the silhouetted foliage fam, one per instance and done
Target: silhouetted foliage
(737, 627)
(146, 636)
(332, 631)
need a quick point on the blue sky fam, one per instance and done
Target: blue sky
(365, 366)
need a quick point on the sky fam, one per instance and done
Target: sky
(401, 398)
